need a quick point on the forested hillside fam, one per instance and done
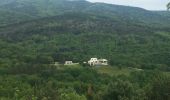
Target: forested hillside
(79, 36)
(46, 8)
(36, 33)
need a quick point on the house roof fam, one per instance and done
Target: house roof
(93, 58)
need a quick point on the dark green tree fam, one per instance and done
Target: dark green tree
(119, 90)
(168, 6)
(160, 88)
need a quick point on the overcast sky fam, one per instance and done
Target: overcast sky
(147, 4)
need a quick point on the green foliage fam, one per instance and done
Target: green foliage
(72, 96)
(35, 34)
(120, 90)
(159, 88)
(168, 6)
(65, 84)
(48, 40)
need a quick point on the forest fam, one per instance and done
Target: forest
(36, 34)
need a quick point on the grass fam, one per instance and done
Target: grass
(167, 73)
(73, 66)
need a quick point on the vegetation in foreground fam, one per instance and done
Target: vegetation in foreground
(83, 83)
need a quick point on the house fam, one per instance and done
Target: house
(70, 63)
(93, 61)
(98, 62)
(103, 62)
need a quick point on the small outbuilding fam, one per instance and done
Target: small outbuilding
(68, 63)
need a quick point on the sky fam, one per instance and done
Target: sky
(146, 4)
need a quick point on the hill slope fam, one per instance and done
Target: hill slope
(79, 36)
(46, 8)
(127, 36)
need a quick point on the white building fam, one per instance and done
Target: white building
(68, 63)
(93, 61)
(103, 62)
(97, 62)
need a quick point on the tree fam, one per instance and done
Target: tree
(159, 88)
(168, 6)
(70, 94)
(120, 90)
(90, 92)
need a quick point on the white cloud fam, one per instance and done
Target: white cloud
(147, 4)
